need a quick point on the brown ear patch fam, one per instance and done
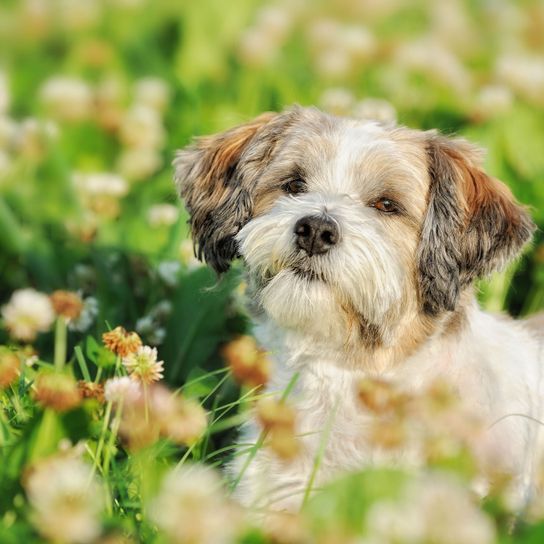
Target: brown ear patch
(473, 224)
(217, 184)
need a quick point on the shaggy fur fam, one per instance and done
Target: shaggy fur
(391, 298)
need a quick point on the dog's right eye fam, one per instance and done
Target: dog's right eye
(295, 186)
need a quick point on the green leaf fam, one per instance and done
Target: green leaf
(198, 323)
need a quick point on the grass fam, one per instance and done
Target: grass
(95, 97)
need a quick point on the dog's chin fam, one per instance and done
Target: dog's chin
(300, 299)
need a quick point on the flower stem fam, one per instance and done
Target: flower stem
(146, 402)
(113, 435)
(60, 343)
(102, 438)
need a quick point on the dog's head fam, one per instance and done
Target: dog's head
(338, 219)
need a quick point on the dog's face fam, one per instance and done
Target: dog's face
(342, 222)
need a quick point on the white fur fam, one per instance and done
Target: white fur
(494, 364)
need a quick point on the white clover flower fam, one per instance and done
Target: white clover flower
(143, 365)
(87, 316)
(274, 22)
(358, 41)
(79, 15)
(256, 48)
(428, 56)
(162, 215)
(375, 109)
(524, 74)
(66, 500)
(334, 63)
(430, 510)
(101, 184)
(4, 93)
(493, 100)
(142, 127)
(121, 389)
(168, 272)
(191, 507)
(153, 93)
(67, 98)
(139, 163)
(323, 32)
(27, 313)
(337, 100)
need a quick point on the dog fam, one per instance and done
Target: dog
(361, 243)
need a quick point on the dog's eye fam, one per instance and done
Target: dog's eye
(385, 205)
(295, 186)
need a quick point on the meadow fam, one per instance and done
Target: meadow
(126, 365)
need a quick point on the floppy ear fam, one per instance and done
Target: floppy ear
(473, 224)
(216, 176)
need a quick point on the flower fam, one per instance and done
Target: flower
(492, 100)
(9, 367)
(121, 342)
(429, 510)
(161, 215)
(380, 396)
(248, 363)
(180, 419)
(152, 92)
(138, 163)
(143, 366)
(168, 272)
(57, 391)
(278, 420)
(91, 390)
(67, 304)
(142, 128)
(67, 98)
(92, 184)
(120, 389)
(191, 507)
(337, 100)
(66, 500)
(375, 109)
(27, 313)
(86, 317)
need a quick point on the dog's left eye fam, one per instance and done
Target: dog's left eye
(385, 205)
(295, 186)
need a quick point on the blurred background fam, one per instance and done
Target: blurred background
(96, 95)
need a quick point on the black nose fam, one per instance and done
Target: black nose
(316, 234)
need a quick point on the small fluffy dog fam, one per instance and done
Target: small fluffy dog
(361, 244)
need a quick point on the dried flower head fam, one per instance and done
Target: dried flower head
(191, 507)
(143, 366)
(66, 500)
(9, 367)
(278, 420)
(27, 313)
(121, 342)
(91, 390)
(380, 396)
(57, 391)
(248, 363)
(67, 304)
(180, 419)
